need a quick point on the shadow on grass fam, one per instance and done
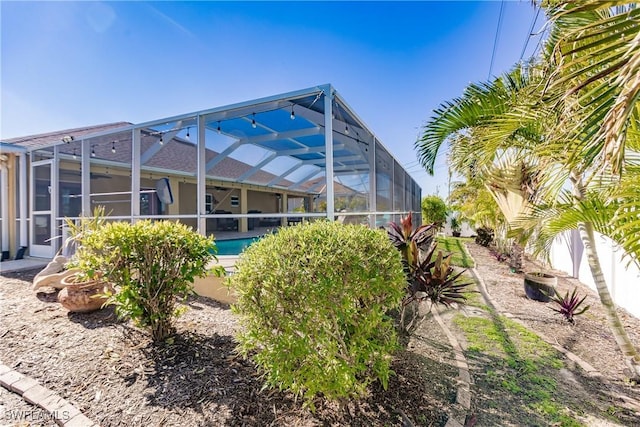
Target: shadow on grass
(526, 382)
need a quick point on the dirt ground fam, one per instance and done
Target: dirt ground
(113, 373)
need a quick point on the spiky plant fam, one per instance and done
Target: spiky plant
(568, 306)
(409, 241)
(427, 279)
(484, 236)
(435, 280)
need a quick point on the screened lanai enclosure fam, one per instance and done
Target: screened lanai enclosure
(238, 170)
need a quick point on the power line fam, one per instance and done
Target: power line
(495, 40)
(530, 34)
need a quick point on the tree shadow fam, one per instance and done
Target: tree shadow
(101, 318)
(194, 300)
(520, 390)
(47, 295)
(205, 374)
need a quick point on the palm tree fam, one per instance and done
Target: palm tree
(596, 61)
(597, 57)
(509, 116)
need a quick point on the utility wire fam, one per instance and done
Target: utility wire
(530, 34)
(495, 40)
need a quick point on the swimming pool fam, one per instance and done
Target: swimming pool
(234, 246)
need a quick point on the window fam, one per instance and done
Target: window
(208, 203)
(235, 201)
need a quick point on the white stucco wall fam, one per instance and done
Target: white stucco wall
(622, 278)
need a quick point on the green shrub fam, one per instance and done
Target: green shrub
(312, 300)
(153, 264)
(434, 210)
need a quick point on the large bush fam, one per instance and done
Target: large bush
(434, 210)
(312, 300)
(153, 264)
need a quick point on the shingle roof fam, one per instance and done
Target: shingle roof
(177, 155)
(47, 139)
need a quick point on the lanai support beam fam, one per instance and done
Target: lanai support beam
(220, 157)
(328, 143)
(4, 179)
(135, 174)
(24, 239)
(284, 174)
(201, 176)
(257, 167)
(85, 178)
(372, 184)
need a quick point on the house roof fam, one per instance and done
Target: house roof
(34, 142)
(176, 154)
(319, 186)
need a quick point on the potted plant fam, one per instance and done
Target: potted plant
(454, 222)
(84, 288)
(540, 286)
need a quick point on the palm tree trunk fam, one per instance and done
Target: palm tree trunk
(631, 355)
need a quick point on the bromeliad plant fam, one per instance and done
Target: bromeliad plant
(409, 241)
(568, 306)
(435, 281)
(428, 279)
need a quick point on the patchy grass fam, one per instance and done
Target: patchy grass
(521, 365)
(523, 372)
(455, 246)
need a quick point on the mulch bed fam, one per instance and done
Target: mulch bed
(115, 375)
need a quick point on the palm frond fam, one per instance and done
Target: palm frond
(598, 58)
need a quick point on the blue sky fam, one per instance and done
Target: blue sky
(71, 64)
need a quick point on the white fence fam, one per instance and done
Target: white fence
(622, 278)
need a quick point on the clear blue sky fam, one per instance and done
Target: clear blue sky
(72, 64)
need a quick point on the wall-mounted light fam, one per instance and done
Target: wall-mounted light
(113, 147)
(219, 130)
(253, 121)
(74, 154)
(346, 129)
(161, 140)
(93, 151)
(188, 133)
(293, 114)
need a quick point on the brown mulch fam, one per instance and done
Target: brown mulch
(116, 376)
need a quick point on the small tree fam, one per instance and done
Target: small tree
(434, 210)
(153, 264)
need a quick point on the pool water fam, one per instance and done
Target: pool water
(234, 246)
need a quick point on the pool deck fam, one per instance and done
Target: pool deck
(27, 263)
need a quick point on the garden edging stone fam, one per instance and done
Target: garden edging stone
(34, 393)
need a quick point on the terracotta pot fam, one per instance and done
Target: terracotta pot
(82, 297)
(540, 286)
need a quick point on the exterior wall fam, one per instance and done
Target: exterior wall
(622, 278)
(262, 201)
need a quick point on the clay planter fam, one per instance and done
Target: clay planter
(82, 297)
(540, 286)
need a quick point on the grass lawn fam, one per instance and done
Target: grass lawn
(455, 246)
